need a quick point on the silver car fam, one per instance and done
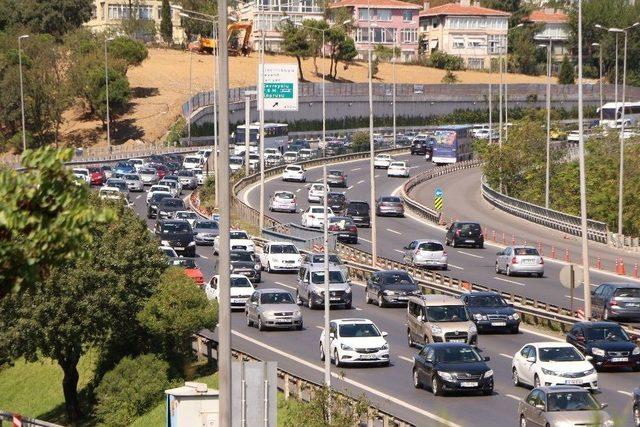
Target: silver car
(205, 231)
(273, 308)
(426, 253)
(520, 260)
(283, 201)
(318, 259)
(149, 176)
(134, 183)
(187, 179)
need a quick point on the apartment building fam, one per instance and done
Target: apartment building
(471, 32)
(555, 26)
(109, 14)
(384, 22)
(267, 15)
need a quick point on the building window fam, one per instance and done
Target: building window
(475, 63)
(120, 11)
(494, 42)
(407, 15)
(363, 14)
(409, 35)
(383, 14)
(458, 43)
(475, 43)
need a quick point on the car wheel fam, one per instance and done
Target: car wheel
(260, 325)
(536, 381)
(515, 378)
(416, 379)
(487, 391)
(347, 306)
(515, 330)
(410, 341)
(508, 272)
(380, 301)
(523, 421)
(605, 314)
(321, 353)
(453, 243)
(636, 415)
(299, 327)
(481, 246)
(298, 299)
(540, 275)
(436, 386)
(249, 322)
(336, 359)
(497, 268)
(268, 267)
(367, 300)
(311, 304)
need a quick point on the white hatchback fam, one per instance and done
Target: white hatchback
(294, 173)
(283, 201)
(280, 256)
(316, 193)
(314, 216)
(240, 290)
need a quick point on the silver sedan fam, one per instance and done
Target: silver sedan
(520, 260)
(273, 308)
(134, 183)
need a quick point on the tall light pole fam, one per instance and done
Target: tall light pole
(261, 91)
(190, 93)
(372, 175)
(106, 85)
(24, 127)
(247, 131)
(598, 45)
(394, 58)
(506, 84)
(586, 282)
(616, 31)
(327, 304)
(548, 102)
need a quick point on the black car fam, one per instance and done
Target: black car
(337, 202)
(245, 263)
(298, 145)
(616, 301)
(465, 234)
(452, 367)
(422, 146)
(334, 149)
(390, 287)
(636, 407)
(489, 311)
(168, 207)
(344, 229)
(152, 209)
(360, 212)
(336, 178)
(178, 234)
(607, 343)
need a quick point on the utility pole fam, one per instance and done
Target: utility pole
(393, 67)
(190, 95)
(548, 102)
(327, 299)
(374, 252)
(598, 45)
(24, 126)
(261, 81)
(215, 115)
(247, 130)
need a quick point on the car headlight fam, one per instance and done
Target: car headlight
(257, 267)
(388, 292)
(598, 351)
(636, 351)
(445, 376)
(550, 372)
(435, 329)
(346, 347)
(479, 316)
(164, 242)
(191, 243)
(589, 372)
(488, 374)
(385, 347)
(472, 329)
(348, 291)
(297, 313)
(608, 423)
(515, 316)
(231, 267)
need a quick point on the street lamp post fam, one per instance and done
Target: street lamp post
(616, 31)
(372, 175)
(247, 131)
(548, 102)
(506, 84)
(599, 45)
(190, 94)
(261, 136)
(106, 84)
(393, 68)
(24, 127)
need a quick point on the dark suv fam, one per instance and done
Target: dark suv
(337, 202)
(607, 343)
(489, 311)
(465, 234)
(178, 234)
(616, 300)
(360, 212)
(421, 146)
(169, 206)
(152, 209)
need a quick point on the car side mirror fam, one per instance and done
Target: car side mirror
(499, 253)
(540, 407)
(593, 293)
(487, 358)
(603, 405)
(385, 334)
(406, 248)
(332, 335)
(589, 358)
(531, 359)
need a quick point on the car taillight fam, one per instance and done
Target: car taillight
(457, 232)
(444, 253)
(353, 228)
(312, 216)
(613, 302)
(514, 260)
(294, 200)
(333, 228)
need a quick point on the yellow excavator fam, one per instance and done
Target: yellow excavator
(207, 45)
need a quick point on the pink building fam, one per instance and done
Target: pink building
(390, 21)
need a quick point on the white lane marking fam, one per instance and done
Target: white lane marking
(356, 169)
(137, 197)
(399, 251)
(406, 359)
(394, 231)
(508, 356)
(357, 308)
(286, 286)
(320, 327)
(298, 190)
(354, 383)
(149, 228)
(350, 187)
(626, 393)
(569, 296)
(456, 266)
(513, 397)
(362, 238)
(540, 334)
(203, 256)
(360, 182)
(509, 281)
(468, 254)
(377, 176)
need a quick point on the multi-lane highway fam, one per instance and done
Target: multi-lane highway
(391, 387)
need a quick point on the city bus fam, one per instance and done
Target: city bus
(276, 135)
(612, 114)
(453, 144)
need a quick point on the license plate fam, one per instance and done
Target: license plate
(470, 241)
(238, 300)
(457, 340)
(498, 323)
(283, 320)
(178, 248)
(573, 382)
(334, 299)
(632, 304)
(344, 235)
(469, 384)
(620, 359)
(528, 261)
(368, 356)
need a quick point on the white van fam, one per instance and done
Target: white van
(192, 162)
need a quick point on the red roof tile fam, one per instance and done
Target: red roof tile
(375, 4)
(547, 17)
(457, 9)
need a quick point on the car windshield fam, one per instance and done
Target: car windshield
(159, 197)
(186, 215)
(397, 164)
(397, 278)
(627, 293)
(276, 298)
(359, 330)
(240, 282)
(390, 199)
(147, 171)
(210, 225)
(294, 168)
(235, 160)
(335, 173)
(337, 197)
(175, 227)
(447, 313)
(470, 227)
(431, 247)
(173, 203)
(608, 333)
(334, 259)
(559, 354)
(238, 235)
(132, 177)
(183, 262)
(571, 401)
(241, 256)
(525, 251)
(287, 196)
(457, 354)
(283, 249)
(486, 301)
(317, 277)
(185, 173)
(81, 171)
(192, 159)
(341, 222)
(169, 183)
(359, 207)
(93, 169)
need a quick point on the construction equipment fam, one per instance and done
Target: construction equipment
(207, 45)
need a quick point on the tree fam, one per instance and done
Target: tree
(174, 312)
(193, 27)
(295, 41)
(315, 38)
(524, 51)
(375, 67)
(55, 17)
(341, 412)
(166, 27)
(128, 51)
(384, 53)
(346, 52)
(89, 301)
(567, 75)
(450, 78)
(360, 140)
(94, 91)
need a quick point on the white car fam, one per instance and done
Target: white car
(283, 201)
(382, 161)
(398, 169)
(236, 163)
(272, 160)
(134, 182)
(290, 156)
(157, 189)
(192, 161)
(254, 161)
(238, 240)
(316, 193)
(82, 174)
(168, 251)
(552, 363)
(149, 176)
(138, 163)
(274, 151)
(112, 193)
(201, 175)
(190, 216)
(355, 341)
(204, 153)
(174, 186)
(240, 289)
(294, 173)
(314, 216)
(280, 256)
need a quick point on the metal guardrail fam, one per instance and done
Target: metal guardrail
(596, 230)
(24, 421)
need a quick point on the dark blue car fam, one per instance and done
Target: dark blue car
(123, 168)
(489, 311)
(607, 343)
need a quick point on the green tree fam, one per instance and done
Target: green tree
(166, 27)
(55, 17)
(341, 411)
(384, 53)
(295, 42)
(194, 27)
(524, 52)
(450, 78)
(566, 75)
(174, 312)
(131, 389)
(360, 140)
(346, 52)
(375, 67)
(315, 38)
(129, 52)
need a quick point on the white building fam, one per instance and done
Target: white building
(555, 25)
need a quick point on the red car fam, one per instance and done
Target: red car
(161, 169)
(96, 175)
(190, 269)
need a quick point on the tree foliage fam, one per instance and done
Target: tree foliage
(360, 140)
(449, 78)
(55, 17)
(341, 411)
(166, 27)
(567, 75)
(444, 61)
(295, 42)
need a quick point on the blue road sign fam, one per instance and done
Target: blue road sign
(439, 192)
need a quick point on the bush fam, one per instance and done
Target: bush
(567, 75)
(450, 78)
(444, 61)
(130, 389)
(360, 140)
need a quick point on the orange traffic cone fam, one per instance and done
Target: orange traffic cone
(620, 268)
